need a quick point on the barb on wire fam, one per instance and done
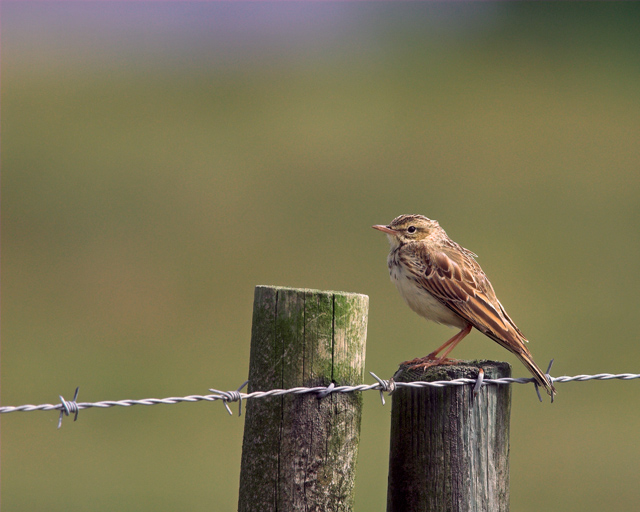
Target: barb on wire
(329, 389)
(535, 384)
(67, 407)
(388, 386)
(231, 396)
(548, 375)
(479, 380)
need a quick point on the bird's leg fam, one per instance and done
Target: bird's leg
(453, 342)
(432, 355)
(430, 360)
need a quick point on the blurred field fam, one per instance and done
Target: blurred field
(161, 159)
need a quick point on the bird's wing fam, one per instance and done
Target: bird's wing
(453, 277)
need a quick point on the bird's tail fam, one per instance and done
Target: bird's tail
(542, 379)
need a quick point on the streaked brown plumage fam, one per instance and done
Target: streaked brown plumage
(441, 281)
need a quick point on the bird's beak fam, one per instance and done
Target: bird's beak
(385, 229)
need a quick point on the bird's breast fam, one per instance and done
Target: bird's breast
(418, 298)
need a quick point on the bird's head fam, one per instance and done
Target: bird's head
(408, 228)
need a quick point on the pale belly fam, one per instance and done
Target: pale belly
(423, 303)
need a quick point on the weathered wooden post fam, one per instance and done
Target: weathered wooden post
(449, 449)
(299, 451)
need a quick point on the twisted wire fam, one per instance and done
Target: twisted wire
(68, 407)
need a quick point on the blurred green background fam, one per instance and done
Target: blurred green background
(161, 159)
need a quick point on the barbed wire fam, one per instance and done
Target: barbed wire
(68, 407)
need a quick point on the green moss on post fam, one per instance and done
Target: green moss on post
(299, 451)
(449, 449)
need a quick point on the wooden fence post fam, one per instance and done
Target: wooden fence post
(299, 451)
(449, 450)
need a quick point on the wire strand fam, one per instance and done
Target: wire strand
(67, 407)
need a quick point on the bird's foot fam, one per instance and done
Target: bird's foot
(427, 362)
(420, 360)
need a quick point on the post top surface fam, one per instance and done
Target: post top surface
(314, 291)
(457, 370)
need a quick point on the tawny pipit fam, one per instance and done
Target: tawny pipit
(441, 281)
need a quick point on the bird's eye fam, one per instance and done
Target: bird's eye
(411, 229)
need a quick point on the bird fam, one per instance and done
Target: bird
(441, 281)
